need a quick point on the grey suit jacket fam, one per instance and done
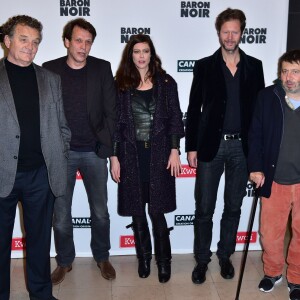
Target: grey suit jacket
(54, 132)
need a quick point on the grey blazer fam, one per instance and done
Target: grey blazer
(54, 131)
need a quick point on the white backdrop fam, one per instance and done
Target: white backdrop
(182, 31)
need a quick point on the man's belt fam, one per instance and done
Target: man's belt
(235, 136)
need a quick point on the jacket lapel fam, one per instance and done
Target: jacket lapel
(5, 90)
(42, 88)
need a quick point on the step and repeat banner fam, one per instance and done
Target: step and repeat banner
(182, 32)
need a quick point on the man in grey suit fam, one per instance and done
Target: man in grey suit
(34, 148)
(89, 100)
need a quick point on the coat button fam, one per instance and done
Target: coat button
(17, 136)
(15, 157)
(273, 166)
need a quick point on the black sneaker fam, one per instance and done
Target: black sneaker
(227, 269)
(198, 275)
(294, 291)
(267, 283)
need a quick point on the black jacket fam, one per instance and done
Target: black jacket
(101, 99)
(206, 110)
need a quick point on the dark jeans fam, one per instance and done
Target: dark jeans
(231, 157)
(33, 190)
(94, 175)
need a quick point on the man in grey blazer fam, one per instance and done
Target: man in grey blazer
(89, 98)
(34, 148)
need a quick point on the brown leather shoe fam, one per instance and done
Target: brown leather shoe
(58, 275)
(107, 270)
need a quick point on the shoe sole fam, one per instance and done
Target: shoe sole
(276, 283)
(227, 276)
(198, 282)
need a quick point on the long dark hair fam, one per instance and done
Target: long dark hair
(128, 76)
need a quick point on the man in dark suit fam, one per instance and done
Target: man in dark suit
(33, 154)
(222, 99)
(89, 100)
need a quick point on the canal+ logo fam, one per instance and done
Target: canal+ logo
(81, 222)
(184, 220)
(74, 8)
(185, 65)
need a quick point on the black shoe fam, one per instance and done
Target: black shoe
(164, 271)
(294, 291)
(227, 269)
(267, 283)
(198, 275)
(144, 267)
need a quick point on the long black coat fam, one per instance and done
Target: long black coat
(167, 120)
(208, 97)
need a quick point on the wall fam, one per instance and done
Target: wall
(182, 31)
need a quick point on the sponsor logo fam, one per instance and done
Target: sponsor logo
(250, 190)
(18, 244)
(185, 65)
(183, 220)
(187, 171)
(194, 9)
(78, 175)
(127, 241)
(75, 8)
(81, 222)
(241, 237)
(254, 36)
(127, 32)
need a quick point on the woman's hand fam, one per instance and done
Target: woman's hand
(174, 163)
(115, 168)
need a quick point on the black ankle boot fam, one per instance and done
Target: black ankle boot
(144, 267)
(163, 254)
(143, 247)
(164, 270)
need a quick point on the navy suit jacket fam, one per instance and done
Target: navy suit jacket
(265, 135)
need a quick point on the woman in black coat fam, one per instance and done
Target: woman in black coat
(146, 150)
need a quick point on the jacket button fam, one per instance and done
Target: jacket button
(273, 166)
(17, 136)
(15, 157)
